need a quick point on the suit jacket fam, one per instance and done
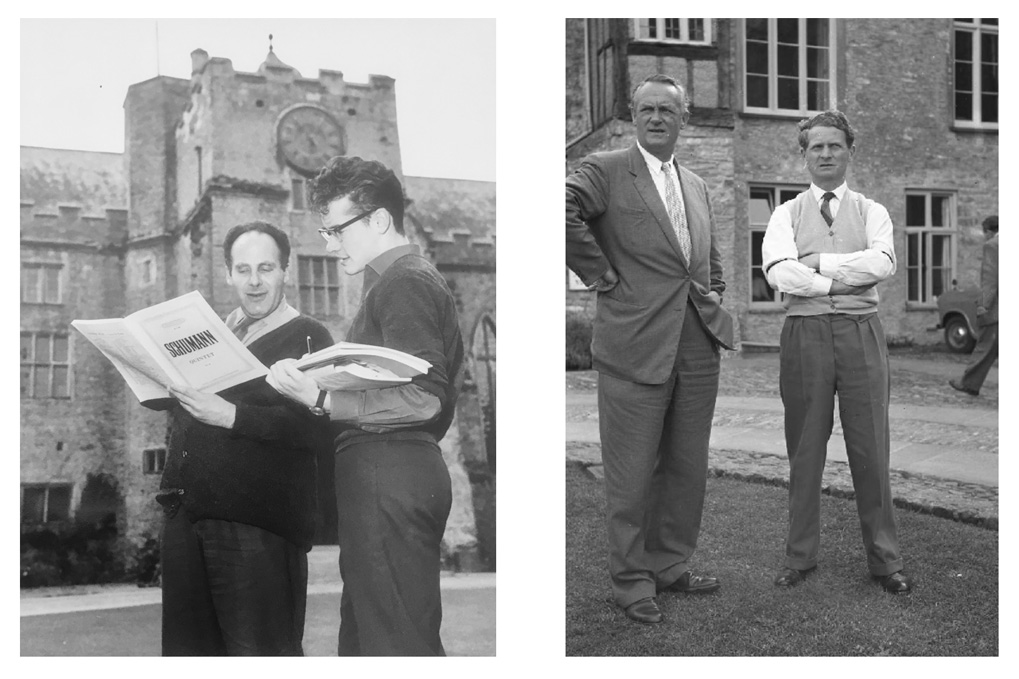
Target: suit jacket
(615, 216)
(989, 282)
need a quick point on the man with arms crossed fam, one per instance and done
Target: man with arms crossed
(392, 487)
(239, 486)
(640, 231)
(826, 249)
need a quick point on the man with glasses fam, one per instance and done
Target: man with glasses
(393, 491)
(640, 231)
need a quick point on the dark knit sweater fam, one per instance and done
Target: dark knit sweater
(410, 308)
(261, 472)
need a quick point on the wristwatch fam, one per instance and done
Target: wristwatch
(317, 409)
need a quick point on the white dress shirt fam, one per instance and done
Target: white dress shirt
(781, 258)
(658, 176)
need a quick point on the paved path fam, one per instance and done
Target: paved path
(949, 462)
(323, 578)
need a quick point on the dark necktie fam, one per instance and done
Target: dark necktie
(241, 329)
(825, 211)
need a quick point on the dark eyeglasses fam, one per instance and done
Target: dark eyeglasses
(327, 231)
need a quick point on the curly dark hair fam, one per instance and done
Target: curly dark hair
(282, 242)
(368, 183)
(832, 118)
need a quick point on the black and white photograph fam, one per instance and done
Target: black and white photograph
(258, 337)
(781, 320)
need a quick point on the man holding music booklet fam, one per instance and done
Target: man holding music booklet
(238, 488)
(392, 486)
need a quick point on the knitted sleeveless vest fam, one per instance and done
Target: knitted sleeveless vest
(848, 233)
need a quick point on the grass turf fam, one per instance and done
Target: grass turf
(839, 611)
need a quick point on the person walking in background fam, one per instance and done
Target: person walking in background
(826, 249)
(986, 351)
(640, 231)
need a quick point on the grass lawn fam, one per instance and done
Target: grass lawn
(953, 610)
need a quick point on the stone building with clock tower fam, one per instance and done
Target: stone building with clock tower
(202, 155)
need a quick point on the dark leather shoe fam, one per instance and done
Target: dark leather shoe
(688, 583)
(896, 583)
(645, 611)
(790, 577)
(958, 387)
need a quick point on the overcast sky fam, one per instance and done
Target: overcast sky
(75, 74)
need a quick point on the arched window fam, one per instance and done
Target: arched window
(483, 352)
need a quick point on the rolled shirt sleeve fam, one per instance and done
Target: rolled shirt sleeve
(781, 260)
(872, 265)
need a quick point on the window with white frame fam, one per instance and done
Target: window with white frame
(153, 460)
(930, 245)
(40, 282)
(45, 365)
(45, 502)
(319, 285)
(976, 73)
(693, 31)
(789, 65)
(763, 201)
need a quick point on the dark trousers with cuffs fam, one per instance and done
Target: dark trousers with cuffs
(822, 356)
(654, 441)
(230, 589)
(984, 356)
(392, 499)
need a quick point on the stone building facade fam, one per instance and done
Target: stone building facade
(104, 234)
(921, 93)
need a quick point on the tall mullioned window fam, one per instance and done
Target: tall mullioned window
(40, 283)
(763, 201)
(976, 73)
(789, 65)
(45, 365)
(930, 245)
(600, 70)
(45, 503)
(319, 284)
(693, 31)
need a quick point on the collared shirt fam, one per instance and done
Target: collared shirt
(658, 175)
(375, 268)
(389, 408)
(283, 313)
(781, 257)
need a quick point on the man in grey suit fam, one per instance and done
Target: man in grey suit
(986, 352)
(640, 231)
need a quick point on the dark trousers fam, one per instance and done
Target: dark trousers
(823, 356)
(231, 589)
(984, 356)
(392, 502)
(654, 441)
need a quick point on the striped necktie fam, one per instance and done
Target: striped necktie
(677, 211)
(825, 211)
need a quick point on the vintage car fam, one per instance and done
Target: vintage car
(957, 314)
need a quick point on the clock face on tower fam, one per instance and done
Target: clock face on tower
(307, 137)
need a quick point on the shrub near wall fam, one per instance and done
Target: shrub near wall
(578, 342)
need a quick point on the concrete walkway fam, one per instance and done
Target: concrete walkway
(948, 462)
(323, 578)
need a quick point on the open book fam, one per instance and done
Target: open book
(180, 340)
(347, 366)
